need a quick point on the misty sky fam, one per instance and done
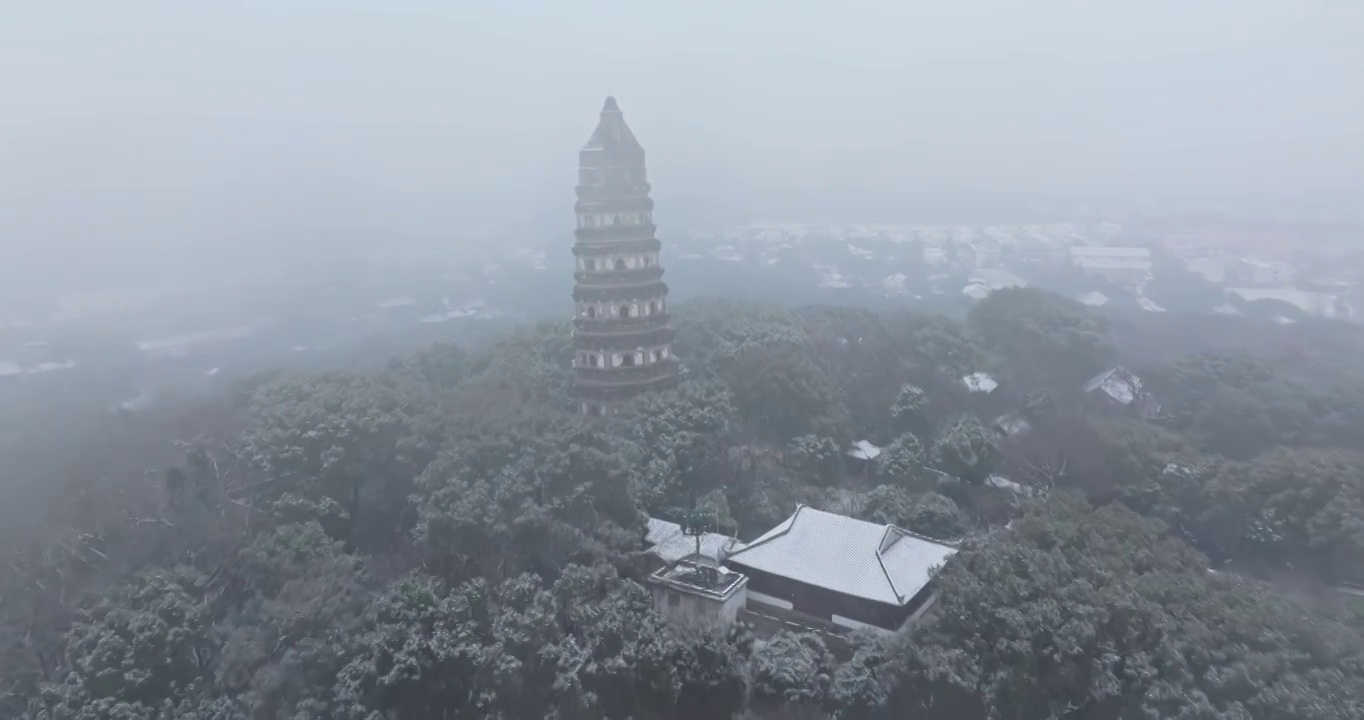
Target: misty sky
(197, 130)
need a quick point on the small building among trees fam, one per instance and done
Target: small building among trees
(1121, 389)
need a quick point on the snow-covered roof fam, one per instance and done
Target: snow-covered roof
(881, 563)
(863, 450)
(980, 382)
(660, 530)
(976, 291)
(1003, 483)
(1119, 383)
(1094, 299)
(671, 545)
(1149, 305)
(996, 278)
(1012, 423)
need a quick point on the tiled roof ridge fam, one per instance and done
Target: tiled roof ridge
(919, 536)
(764, 541)
(881, 563)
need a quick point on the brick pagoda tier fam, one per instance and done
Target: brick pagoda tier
(622, 332)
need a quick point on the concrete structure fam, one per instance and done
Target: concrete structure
(698, 595)
(622, 331)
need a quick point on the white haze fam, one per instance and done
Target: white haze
(148, 138)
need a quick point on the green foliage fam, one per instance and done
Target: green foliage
(500, 506)
(586, 647)
(440, 367)
(902, 462)
(911, 404)
(447, 539)
(682, 439)
(966, 449)
(926, 513)
(770, 363)
(934, 351)
(341, 442)
(531, 369)
(1098, 612)
(136, 653)
(859, 688)
(1043, 340)
(1235, 405)
(1303, 505)
(791, 668)
(816, 460)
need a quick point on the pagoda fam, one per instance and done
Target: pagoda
(622, 332)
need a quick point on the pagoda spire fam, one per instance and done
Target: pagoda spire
(622, 330)
(613, 136)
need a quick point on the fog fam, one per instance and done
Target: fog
(148, 138)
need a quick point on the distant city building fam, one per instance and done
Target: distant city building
(622, 331)
(1128, 265)
(1252, 272)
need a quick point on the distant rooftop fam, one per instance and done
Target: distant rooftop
(980, 382)
(1118, 383)
(864, 450)
(881, 563)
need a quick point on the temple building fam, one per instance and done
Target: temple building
(622, 333)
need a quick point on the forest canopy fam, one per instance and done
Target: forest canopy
(448, 538)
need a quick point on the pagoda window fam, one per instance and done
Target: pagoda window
(620, 263)
(664, 352)
(625, 311)
(591, 311)
(615, 360)
(628, 361)
(639, 358)
(653, 356)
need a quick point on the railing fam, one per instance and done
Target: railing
(612, 278)
(613, 327)
(613, 232)
(613, 293)
(618, 376)
(596, 250)
(634, 197)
